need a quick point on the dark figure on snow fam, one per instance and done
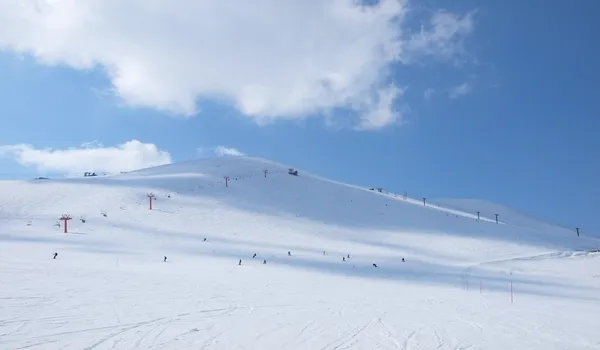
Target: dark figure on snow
(343, 258)
(55, 255)
(264, 262)
(324, 252)
(165, 259)
(289, 253)
(374, 265)
(348, 256)
(239, 263)
(254, 256)
(403, 260)
(204, 239)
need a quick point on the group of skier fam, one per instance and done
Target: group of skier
(254, 256)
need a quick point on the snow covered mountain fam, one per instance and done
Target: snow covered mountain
(328, 271)
(489, 209)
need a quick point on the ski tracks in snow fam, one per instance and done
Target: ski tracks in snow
(375, 333)
(346, 340)
(121, 331)
(191, 328)
(430, 337)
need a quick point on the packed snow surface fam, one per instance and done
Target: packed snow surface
(464, 284)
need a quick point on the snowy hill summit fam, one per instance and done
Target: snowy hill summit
(242, 252)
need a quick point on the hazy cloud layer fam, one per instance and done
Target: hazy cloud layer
(131, 155)
(227, 151)
(460, 90)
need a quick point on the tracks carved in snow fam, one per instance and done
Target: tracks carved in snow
(347, 339)
(123, 330)
(388, 332)
(425, 337)
(407, 344)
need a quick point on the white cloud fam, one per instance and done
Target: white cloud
(381, 112)
(227, 151)
(269, 58)
(91, 156)
(443, 37)
(460, 90)
(428, 93)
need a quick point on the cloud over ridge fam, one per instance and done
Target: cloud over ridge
(92, 156)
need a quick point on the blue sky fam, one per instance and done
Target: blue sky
(504, 107)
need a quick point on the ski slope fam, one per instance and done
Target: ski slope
(109, 287)
(488, 210)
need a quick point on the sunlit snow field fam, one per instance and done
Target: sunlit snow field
(109, 287)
